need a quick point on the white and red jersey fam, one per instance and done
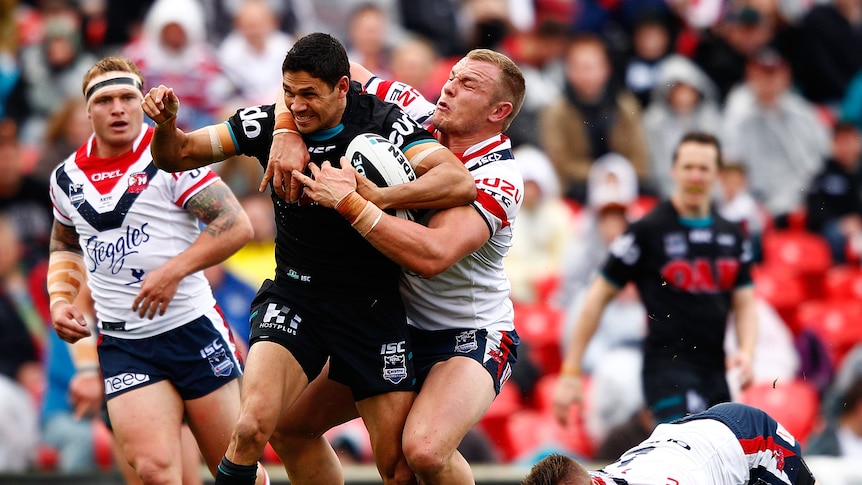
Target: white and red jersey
(702, 452)
(130, 219)
(474, 293)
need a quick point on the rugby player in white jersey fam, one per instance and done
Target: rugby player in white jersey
(728, 444)
(454, 287)
(132, 233)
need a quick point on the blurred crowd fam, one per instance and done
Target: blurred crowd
(612, 85)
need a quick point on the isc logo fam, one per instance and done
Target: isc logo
(212, 348)
(392, 348)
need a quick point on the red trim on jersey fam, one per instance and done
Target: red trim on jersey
(493, 206)
(184, 198)
(754, 445)
(484, 151)
(110, 170)
(383, 87)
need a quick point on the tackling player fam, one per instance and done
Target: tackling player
(454, 286)
(691, 268)
(728, 444)
(165, 353)
(333, 296)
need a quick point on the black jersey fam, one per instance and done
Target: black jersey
(685, 272)
(315, 248)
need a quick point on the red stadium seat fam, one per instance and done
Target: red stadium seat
(540, 328)
(530, 431)
(798, 250)
(794, 404)
(493, 423)
(782, 288)
(836, 322)
(843, 282)
(103, 445)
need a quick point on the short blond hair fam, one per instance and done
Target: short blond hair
(556, 469)
(110, 64)
(512, 87)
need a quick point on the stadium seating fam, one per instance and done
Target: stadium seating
(540, 327)
(794, 404)
(802, 252)
(782, 288)
(838, 323)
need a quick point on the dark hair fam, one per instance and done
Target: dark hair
(702, 138)
(320, 55)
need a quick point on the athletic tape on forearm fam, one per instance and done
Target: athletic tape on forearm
(215, 144)
(415, 161)
(350, 206)
(65, 276)
(368, 218)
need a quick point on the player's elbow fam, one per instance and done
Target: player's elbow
(168, 164)
(430, 265)
(244, 230)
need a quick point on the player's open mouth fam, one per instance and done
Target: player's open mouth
(303, 119)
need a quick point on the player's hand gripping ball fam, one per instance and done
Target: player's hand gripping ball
(383, 163)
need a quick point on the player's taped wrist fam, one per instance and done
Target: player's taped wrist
(163, 123)
(65, 276)
(350, 206)
(362, 214)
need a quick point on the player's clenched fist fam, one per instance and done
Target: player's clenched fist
(161, 104)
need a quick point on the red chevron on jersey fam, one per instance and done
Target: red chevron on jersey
(104, 173)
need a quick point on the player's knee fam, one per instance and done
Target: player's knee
(250, 432)
(423, 458)
(156, 470)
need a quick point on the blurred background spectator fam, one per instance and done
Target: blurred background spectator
(592, 117)
(172, 50)
(67, 129)
(546, 227)
(252, 53)
(775, 133)
(834, 200)
(842, 435)
(21, 374)
(683, 99)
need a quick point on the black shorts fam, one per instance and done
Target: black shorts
(678, 389)
(366, 339)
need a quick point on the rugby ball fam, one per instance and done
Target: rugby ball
(383, 163)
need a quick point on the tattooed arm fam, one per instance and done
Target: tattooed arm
(227, 229)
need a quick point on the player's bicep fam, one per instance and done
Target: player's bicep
(64, 238)
(425, 156)
(461, 230)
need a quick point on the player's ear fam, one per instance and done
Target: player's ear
(502, 109)
(343, 85)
